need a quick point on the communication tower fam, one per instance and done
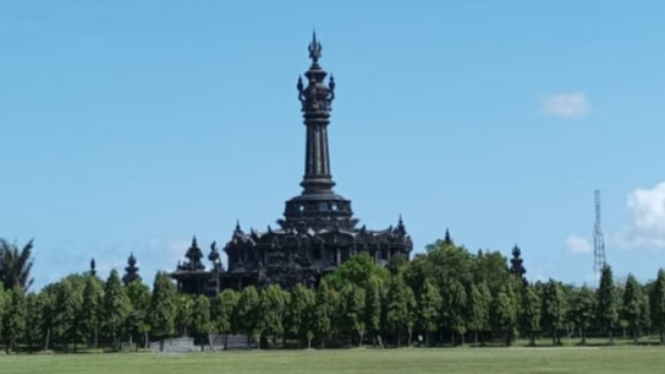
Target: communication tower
(598, 239)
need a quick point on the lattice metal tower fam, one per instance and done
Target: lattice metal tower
(598, 239)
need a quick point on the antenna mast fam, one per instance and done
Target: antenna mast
(598, 239)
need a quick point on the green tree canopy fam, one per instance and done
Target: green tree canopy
(116, 307)
(608, 308)
(162, 306)
(16, 265)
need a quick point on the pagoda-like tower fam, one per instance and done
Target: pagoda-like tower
(131, 271)
(317, 232)
(317, 206)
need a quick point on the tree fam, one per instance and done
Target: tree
(608, 314)
(412, 314)
(553, 310)
(116, 306)
(397, 264)
(3, 307)
(302, 318)
(480, 300)
(454, 308)
(248, 314)
(582, 310)
(162, 307)
(90, 311)
(504, 310)
(353, 308)
(64, 310)
(530, 313)
(327, 300)
(657, 304)
(491, 268)
(201, 322)
(14, 319)
(183, 315)
(274, 303)
(632, 305)
(297, 309)
(223, 307)
(429, 305)
(397, 309)
(33, 322)
(138, 323)
(374, 307)
(15, 265)
(48, 312)
(357, 270)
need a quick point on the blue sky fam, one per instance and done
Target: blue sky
(130, 126)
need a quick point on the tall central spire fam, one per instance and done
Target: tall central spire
(316, 99)
(317, 206)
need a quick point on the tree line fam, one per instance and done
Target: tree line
(445, 296)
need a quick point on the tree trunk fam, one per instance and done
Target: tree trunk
(583, 336)
(96, 338)
(463, 340)
(611, 336)
(635, 335)
(226, 341)
(309, 342)
(48, 336)
(380, 340)
(475, 337)
(553, 337)
(410, 337)
(399, 340)
(361, 335)
(146, 340)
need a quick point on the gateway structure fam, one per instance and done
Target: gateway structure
(318, 231)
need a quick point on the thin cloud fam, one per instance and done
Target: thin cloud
(578, 245)
(566, 105)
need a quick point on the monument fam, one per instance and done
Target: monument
(318, 231)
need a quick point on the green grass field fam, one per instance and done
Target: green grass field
(642, 360)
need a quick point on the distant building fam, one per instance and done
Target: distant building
(318, 231)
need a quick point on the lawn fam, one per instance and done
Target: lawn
(642, 360)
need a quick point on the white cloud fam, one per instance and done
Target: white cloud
(646, 225)
(577, 245)
(567, 105)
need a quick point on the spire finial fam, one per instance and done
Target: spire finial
(447, 239)
(314, 49)
(237, 225)
(194, 244)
